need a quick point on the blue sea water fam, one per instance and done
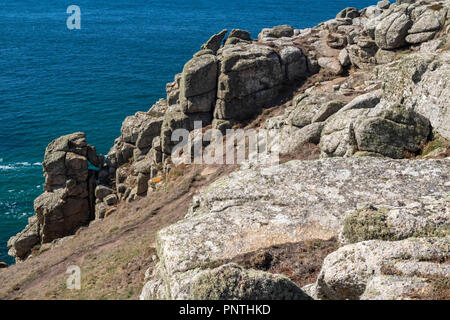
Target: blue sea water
(55, 81)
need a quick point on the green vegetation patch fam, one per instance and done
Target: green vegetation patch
(437, 143)
(232, 282)
(367, 224)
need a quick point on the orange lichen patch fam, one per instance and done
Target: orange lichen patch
(110, 211)
(156, 180)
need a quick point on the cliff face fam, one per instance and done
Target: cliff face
(368, 88)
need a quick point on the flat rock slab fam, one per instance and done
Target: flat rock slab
(259, 207)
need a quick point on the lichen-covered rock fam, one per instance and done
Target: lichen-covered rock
(421, 82)
(384, 4)
(232, 282)
(199, 76)
(201, 103)
(175, 119)
(420, 37)
(198, 84)
(348, 13)
(327, 110)
(338, 139)
(138, 131)
(365, 101)
(387, 287)
(21, 244)
(294, 63)
(362, 54)
(391, 32)
(251, 76)
(427, 217)
(258, 207)
(60, 216)
(215, 41)
(240, 34)
(277, 32)
(309, 108)
(352, 271)
(425, 23)
(393, 132)
(385, 56)
(331, 64)
(367, 125)
(291, 137)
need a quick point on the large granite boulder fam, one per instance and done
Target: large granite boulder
(198, 84)
(376, 269)
(348, 13)
(392, 133)
(276, 32)
(215, 41)
(310, 108)
(175, 119)
(232, 282)
(425, 27)
(294, 63)
(59, 215)
(393, 28)
(21, 244)
(137, 134)
(420, 81)
(425, 217)
(140, 129)
(250, 77)
(367, 125)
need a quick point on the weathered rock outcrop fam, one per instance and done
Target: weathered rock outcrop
(364, 125)
(21, 244)
(232, 282)
(198, 84)
(68, 200)
(427, 217)
(379, 269)
(259, 207)
(420, 81)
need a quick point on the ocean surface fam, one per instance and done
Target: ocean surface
(55, 81)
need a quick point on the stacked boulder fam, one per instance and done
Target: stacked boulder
(398, 252)
(365, 126)
(370, 36)
(68, 199)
